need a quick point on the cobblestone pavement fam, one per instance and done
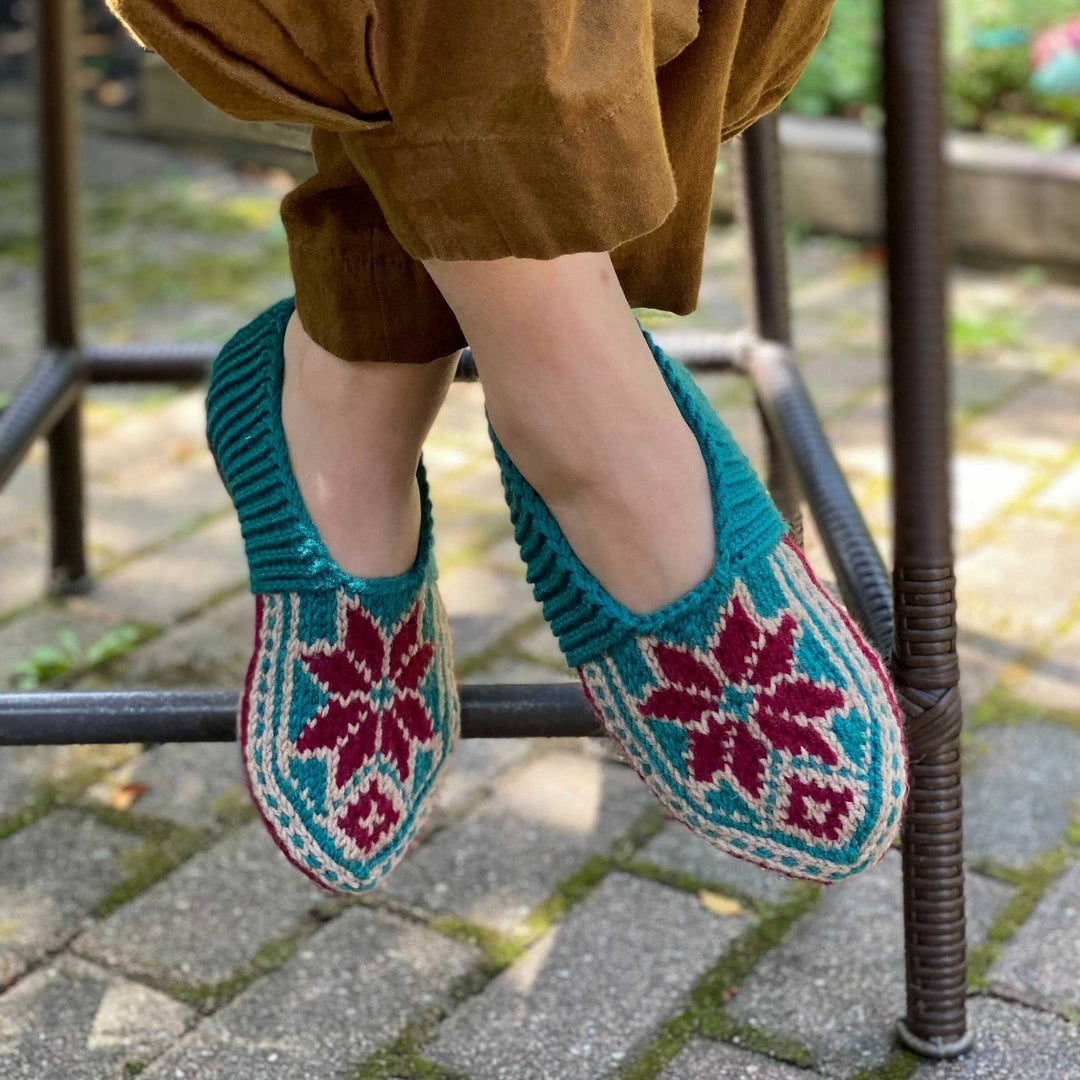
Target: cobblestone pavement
(552, 925)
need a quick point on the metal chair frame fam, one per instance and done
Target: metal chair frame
(910, 619)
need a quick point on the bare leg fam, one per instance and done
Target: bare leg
(354, 432)
(580, 406)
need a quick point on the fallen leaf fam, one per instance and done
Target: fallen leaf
(123, 796)
(718, 904)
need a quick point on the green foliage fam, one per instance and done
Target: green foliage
(48, 663)
(973, 334)
(988, 69)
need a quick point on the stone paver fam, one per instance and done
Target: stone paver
(209, 918)
(52, 875)
(20, 766)
(75, 1021)
(483, 604)
(1003, 591)
(1012, 1043)
(211, 651)
(191, 784)
(541, 644)
(1031, 769)
(704, 1059)
(586, 995)
(982, 661)
(1041, 963)
(473, 769)
(543, 821)
(836, 985)
(136, 512)
(348, 990)
(983, 485)
(676, 848)
(180, 577)
(1063, 494)
(1039, 423)
(1055, 680)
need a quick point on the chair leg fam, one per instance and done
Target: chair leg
(58, 148)
(924, 660)
(760, 210)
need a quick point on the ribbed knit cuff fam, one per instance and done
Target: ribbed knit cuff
(584, 617)
(243, 426)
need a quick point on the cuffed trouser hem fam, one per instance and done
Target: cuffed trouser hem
(361, 306)
(546, 194)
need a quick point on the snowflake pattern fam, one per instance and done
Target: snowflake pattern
(744, 703)
(376, 707)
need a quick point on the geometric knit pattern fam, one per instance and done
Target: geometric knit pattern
(350, 709)
(752, 707)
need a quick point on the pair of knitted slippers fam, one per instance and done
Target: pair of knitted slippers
(751, 707)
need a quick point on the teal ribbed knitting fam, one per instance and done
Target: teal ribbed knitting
(751, 706)
(349, 709)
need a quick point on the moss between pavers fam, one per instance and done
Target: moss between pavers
(63, 790)
(505, 647)
(271, 956)
(165, 846)
(402, 1058)
(704, 1012)
(1001, 706)
(899, 1066)
(39, 804)
(1031, 883)
(233, 808)
(498, 950)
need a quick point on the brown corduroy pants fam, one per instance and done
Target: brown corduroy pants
(468, 129)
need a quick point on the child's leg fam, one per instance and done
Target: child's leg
(354, 431)
(577, 400)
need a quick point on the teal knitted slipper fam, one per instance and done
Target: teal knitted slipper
(752, 707)
(349, 709)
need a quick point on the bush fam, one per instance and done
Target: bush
(988, 70)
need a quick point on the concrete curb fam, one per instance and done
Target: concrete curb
(1007, 200)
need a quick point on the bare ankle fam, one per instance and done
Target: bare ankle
(354, 433)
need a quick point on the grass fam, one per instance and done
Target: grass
(68, 656)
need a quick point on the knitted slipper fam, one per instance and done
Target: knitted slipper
(349, 708)
(751, 706)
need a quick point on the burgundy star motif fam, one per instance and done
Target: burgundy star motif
(375, 704)
(750, 657)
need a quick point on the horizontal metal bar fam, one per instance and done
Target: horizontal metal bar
(41, 399)
(149, 363)
(61, 717)
(860, 573)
